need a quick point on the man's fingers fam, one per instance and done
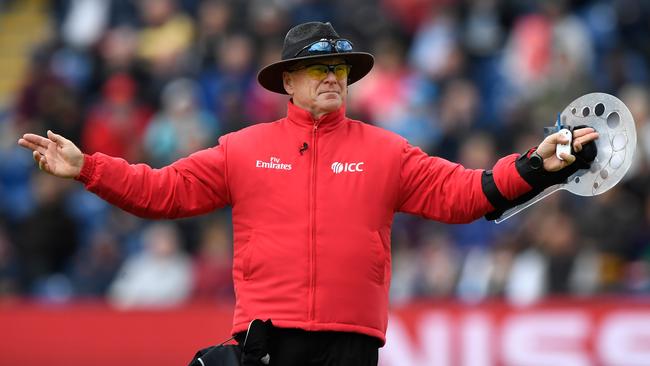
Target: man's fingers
(577, 147)
(58, 139)
(40, 143)
(34, 139)
(568, 158)
(42, 165)
(556, 138)
(39, 159)
(583, 139)
(32, 146)
(582, 131)
(579, 142)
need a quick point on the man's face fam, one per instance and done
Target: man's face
(315, 91)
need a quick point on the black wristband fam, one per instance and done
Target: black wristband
(490, 190)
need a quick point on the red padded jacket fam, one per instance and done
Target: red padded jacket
(312, 204)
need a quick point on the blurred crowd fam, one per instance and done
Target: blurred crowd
(468, 80)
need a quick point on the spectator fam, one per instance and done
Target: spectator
(438, 264)
(261, 104)
(165, 38)
(9, 268)
(117, 122)
(164, 44)
(181, 127)
(96, 265)
(213, 264)
(213, 21)
(386, 89)
(44, 100)
(85, 22)
(46, 239)
(226, 84)
(159, 276)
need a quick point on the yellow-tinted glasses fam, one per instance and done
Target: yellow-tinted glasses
(320, 71)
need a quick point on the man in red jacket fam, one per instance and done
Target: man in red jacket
(313, 197)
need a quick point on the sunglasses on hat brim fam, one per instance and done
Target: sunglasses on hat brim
(325, 46)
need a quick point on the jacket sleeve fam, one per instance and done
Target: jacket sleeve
(190, 186)
(438, 189)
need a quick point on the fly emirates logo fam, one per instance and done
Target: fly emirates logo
(339, 168)
(273, 163)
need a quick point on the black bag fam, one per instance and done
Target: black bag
(255, 347)
(220, 355)
(256, 343)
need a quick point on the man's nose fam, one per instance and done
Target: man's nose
(331, 77)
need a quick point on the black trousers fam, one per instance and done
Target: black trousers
(296, 347)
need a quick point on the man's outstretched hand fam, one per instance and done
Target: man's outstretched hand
(55, 154)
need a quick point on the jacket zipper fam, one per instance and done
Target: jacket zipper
(312, 224)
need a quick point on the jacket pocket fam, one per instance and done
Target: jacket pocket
(249, 252)
(379, 257)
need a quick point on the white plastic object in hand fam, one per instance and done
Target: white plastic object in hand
(564, 148)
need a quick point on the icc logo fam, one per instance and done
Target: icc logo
(338, 168)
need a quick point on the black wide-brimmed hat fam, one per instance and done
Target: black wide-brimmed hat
(296, 48)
